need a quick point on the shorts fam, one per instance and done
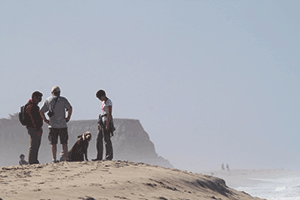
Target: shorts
(61, 132)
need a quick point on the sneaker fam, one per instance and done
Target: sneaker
(55, 161)
(96, 159)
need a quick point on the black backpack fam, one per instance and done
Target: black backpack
(23, 116)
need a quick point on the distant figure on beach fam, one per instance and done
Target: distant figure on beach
(22, 160)
(105, 127)
(34, 126)
(222, 167)
(79, 151)
(227, 167)
(57, 107)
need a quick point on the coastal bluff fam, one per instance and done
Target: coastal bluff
(130, 141)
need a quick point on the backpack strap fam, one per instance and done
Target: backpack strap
(54, 104)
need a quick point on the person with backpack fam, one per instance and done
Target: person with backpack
(34, 125)
(57, 107)
(105, 127)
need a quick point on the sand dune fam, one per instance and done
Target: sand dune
(110, 180)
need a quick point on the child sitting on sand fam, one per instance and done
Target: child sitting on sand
(22, 160)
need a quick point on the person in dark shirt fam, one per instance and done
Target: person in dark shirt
(34, 126)
(22, 160)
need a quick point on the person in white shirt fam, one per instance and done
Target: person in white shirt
(57, 105)
(105, 127)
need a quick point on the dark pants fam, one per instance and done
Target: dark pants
(108, 146)
(35, 142)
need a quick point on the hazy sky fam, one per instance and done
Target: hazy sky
(211, 82)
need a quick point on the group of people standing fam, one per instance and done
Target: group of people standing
(57, 106)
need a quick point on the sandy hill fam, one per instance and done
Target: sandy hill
(110, 180)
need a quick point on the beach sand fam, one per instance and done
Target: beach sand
(110, 180)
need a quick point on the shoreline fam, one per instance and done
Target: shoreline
(244, 177)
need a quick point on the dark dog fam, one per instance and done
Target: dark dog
(79, 150)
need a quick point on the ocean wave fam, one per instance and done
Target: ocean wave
(287, 188)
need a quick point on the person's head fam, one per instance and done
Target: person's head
(36, 97)
(101, 95)
(22, 156)
(55, 91)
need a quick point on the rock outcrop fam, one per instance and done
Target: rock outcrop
(130, 141)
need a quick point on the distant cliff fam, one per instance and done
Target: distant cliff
(130, 141)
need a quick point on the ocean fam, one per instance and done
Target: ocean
(287, 188)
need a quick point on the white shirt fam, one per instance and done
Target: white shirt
(104, 108)
(58, 119)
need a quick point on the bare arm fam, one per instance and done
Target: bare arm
(70, 110)
(43, 117)
(109, 111)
